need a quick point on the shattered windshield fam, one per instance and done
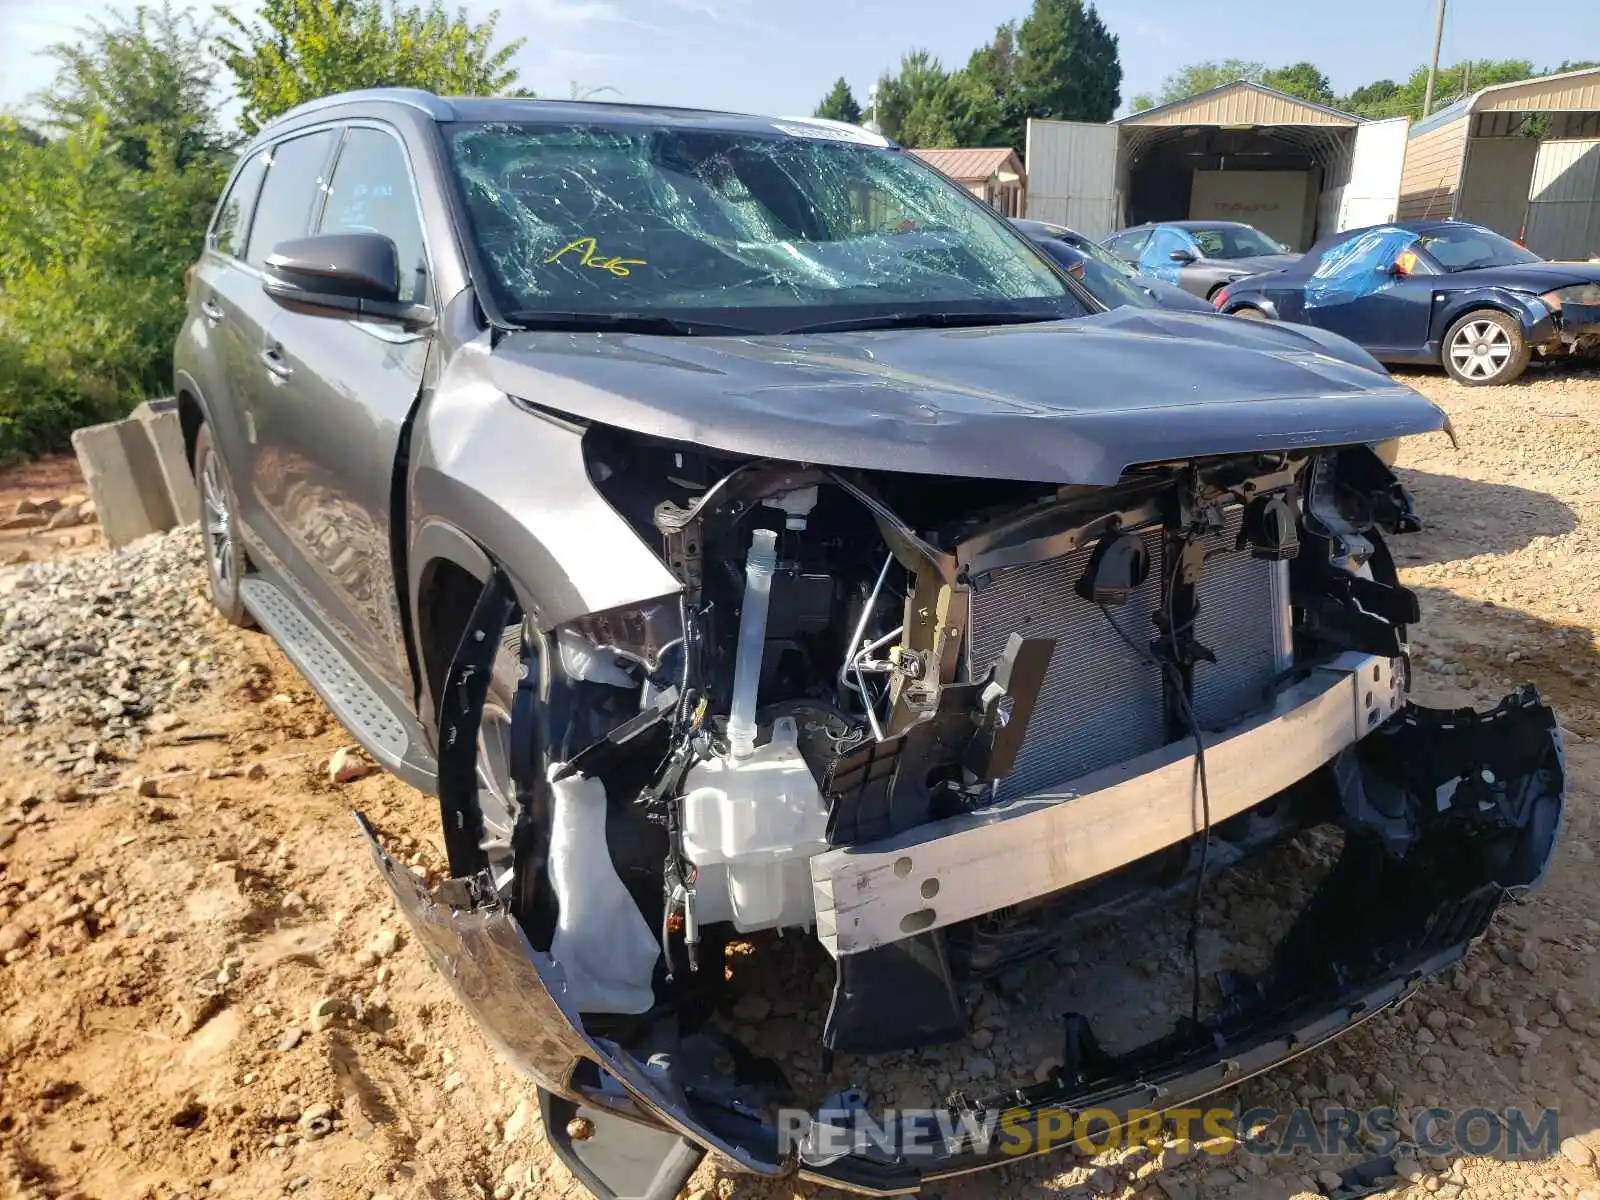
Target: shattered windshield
(1109, 285)
(1234, 241)
(757, 231)
(1471, 247)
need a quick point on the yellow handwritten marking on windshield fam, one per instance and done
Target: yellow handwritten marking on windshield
(590, 256)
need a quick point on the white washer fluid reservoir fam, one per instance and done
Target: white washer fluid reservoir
(750, 827)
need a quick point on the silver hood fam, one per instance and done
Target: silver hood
(1074, 401)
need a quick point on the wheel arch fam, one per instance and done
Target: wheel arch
(1255, 302)
(192, 412)
(1456, 307)
(449, 571)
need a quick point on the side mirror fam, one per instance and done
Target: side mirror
(1182, 256)
(341, 275)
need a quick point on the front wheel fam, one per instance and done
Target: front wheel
(1251, 314)
(1485, 347)
(497, 793)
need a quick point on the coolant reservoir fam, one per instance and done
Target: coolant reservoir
(750, 827)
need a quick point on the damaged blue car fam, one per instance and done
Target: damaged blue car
(1443, 293)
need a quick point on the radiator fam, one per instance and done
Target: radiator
(1101, 703)
(1243, 619)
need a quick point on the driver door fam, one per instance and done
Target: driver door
(1374, 290)
(345, 389)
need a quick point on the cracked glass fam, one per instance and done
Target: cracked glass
(672, 220)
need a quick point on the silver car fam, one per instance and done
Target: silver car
(742, 530)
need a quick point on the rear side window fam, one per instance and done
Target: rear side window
(371, 192)
(294, 182)
(232, 226)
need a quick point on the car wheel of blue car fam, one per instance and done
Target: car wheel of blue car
(1485, 347)
(1251, 314)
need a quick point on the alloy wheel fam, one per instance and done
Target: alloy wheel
(497, 795)
(218, 524)
(1481, 349)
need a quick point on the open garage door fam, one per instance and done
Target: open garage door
(1564, 201)
(1373, 192)
(1248, 153)
(1072, 175)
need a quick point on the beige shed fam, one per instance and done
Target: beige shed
(1522, 158)
(992, 174)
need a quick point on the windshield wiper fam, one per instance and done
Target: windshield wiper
(927, 320)
(621, 322)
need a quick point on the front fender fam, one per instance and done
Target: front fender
(1531, 313)
(516, 483)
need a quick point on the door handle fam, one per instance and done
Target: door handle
(272, 359)
(212, 310)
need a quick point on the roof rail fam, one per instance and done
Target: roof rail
(427, 102)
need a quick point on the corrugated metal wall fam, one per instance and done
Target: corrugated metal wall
(1072, 173)
(1564, 202)
(1494, 182)
(1432, 172)
(1574, 93)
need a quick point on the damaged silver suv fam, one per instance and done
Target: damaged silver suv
(766, 556)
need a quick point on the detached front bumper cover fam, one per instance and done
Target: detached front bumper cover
(1445, 813)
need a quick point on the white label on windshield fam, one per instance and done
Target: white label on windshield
(833, 131)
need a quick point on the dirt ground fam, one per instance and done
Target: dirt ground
(54, 522)
(205, 989)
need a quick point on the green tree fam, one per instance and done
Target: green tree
(300, 50)
(1203, 76)
(1141, 102)
(97, 224)
(1371, 99)
(933, 119)
(840, 104)
(1300, 79)
(1376, 100)
(984, 97)
(1068, 65)
(920, 76)
(148, 74)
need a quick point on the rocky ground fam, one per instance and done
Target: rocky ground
(45, 512)
(206, 992)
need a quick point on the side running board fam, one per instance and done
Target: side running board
(355, 702)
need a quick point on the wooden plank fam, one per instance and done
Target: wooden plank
(962, 867)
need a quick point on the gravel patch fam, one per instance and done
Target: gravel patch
(98, 649)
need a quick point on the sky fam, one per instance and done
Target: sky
(779, 58)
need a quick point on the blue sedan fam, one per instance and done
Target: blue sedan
(1444, 292)
(1107, 277)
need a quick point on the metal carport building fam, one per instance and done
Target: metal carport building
(1522, 158)
(1241, 152)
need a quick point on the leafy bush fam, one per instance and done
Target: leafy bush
(92, 254)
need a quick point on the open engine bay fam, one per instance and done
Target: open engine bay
(933, 723)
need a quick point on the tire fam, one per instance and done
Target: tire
(1250, 314)
(226, 563)
(1485, 348)
(496, 794)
